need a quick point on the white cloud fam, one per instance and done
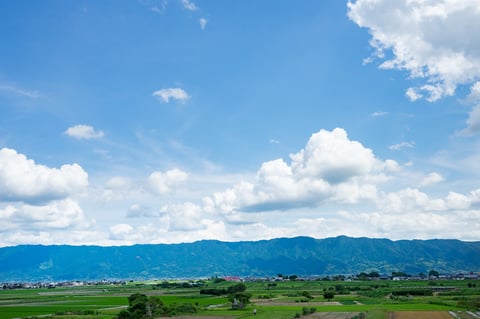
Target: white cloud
(117, 182)
(171, 93)
(85, 132)
(473, 122)
(409, 200)
(37, 205)
(203, 23)
(377, 114)
(55, 215)
(458, 201)
(331, 167)
(413, 94)
(432, 178)
(189, 5)
(120, 231)
(160, 6)
(127, 234)
(139, 210)
(118, 188)
(273, 141)
(333, 157)
(157, 6)
(163, 183)
(332, 186)
(431, 40)
(67, 236)
(402, 145)
(185, 217)
(474, 96)
(407, 225)
(21, 179)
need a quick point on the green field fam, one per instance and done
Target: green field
(371, 299)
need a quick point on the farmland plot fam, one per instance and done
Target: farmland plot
(333, 315)
(420, 315)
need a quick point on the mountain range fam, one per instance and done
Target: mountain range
(302, 256)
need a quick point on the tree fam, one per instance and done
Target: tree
(154, 306)
(362, 276)
(340, 288)
(236, 288)
(328, 295)
(137, 306)
(433, 273)
(398, 274)
(140, 306)
(240, 299)
(307, 295)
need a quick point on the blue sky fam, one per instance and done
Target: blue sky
(162, 121)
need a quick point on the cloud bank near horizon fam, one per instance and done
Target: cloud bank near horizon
(332, 186)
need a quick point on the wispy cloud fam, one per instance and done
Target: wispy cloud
(377, 114)
(402, 145)
(157, 6)
(85, 132)
(171, 93)
(473, 120)
(203, 23)
(273, 141)
(19, 91)
(189, 5)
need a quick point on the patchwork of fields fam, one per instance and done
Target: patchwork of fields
(282, 300)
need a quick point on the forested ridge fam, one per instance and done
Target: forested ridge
(303, 256)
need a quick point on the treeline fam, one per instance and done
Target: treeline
(175, 284)
(223, 291)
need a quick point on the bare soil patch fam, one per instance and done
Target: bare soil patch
(317, 315)
(420, 315)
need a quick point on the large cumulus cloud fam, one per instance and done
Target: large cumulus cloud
(331, 167)
(432, 40)
(37, 203)
(21, 179)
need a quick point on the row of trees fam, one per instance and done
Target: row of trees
(223, 291)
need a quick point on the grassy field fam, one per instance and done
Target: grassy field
(370, 299)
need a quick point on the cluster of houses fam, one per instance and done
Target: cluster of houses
(51, 285)
(460, 276)
(77, 283)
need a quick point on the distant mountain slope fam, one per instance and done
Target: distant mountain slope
(300, 256)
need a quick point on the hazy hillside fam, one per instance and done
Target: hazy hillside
(301, 256)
